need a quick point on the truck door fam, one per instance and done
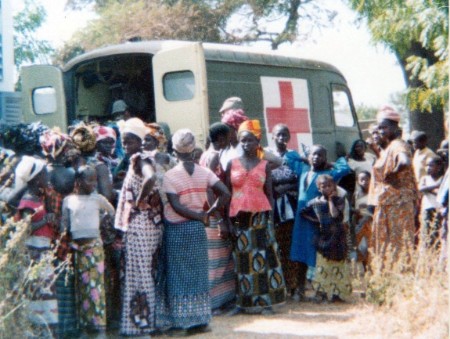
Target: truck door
(43, 96)
(181, 97)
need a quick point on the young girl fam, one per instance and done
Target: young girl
(429, 186)
(81, 218)
(332, 278)
(362, 218)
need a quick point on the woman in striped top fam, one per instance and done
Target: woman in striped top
(182, 289)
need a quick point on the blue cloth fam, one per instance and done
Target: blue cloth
(304, 232)
(182, 291)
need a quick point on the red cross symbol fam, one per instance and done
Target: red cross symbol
(297, 119)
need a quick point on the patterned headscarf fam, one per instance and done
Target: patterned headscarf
(158, 133)
(23, 138)
(84, 138)
(54, 143)
(234, 117)
(252, 126)
(103, 132)
(183, 141)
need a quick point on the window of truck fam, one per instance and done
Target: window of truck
(44, 100)
(343, 116)
(179, 86)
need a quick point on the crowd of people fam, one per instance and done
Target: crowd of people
(159, 236)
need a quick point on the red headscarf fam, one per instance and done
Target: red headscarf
(234, 117)
(103, 132)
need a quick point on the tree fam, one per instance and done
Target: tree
(276, 22)
(365, 112)
(416, 31)
(232, 21)
(27, 48)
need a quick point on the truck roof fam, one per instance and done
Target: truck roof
(213, 52)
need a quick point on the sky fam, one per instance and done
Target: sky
(372, 72)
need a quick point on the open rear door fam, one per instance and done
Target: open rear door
(43, 96)
(181, 96)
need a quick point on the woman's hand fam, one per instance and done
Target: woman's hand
(224, 232)
(204, 218)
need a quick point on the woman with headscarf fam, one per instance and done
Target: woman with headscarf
(43, 306)
(183, 294)
(395, 189)
(105, 146)
(134, 145)
(139, 222)
(154, 145)
(233, 115)
(259, 275)
(56, 147)
(20, 140)
(85, 140)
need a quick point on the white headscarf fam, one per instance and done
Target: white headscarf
(28, 168)
(183, 141)
(134, 126)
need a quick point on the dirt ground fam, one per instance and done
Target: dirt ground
(294, 319)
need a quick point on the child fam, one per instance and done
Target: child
(362, 218)
(429, 186)
(304, 231)
(81, 218)
(332, 277)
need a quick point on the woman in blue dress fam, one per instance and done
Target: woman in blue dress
(302, 246)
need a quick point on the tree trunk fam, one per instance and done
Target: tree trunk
(431, 123)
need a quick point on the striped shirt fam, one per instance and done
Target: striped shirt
(191, 189)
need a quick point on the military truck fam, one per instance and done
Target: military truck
(184, 84)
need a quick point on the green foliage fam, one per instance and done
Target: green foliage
(232, 21)
(416, 31)
(27, 48)
(365, 112)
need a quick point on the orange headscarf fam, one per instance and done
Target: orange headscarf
(254, 127)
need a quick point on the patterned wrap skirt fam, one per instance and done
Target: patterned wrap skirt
(394, 226)
(142, 240)
(221, 276)
(283, 233)
(90, 283)
(257, 263)
(332, 278)
(182, 290)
